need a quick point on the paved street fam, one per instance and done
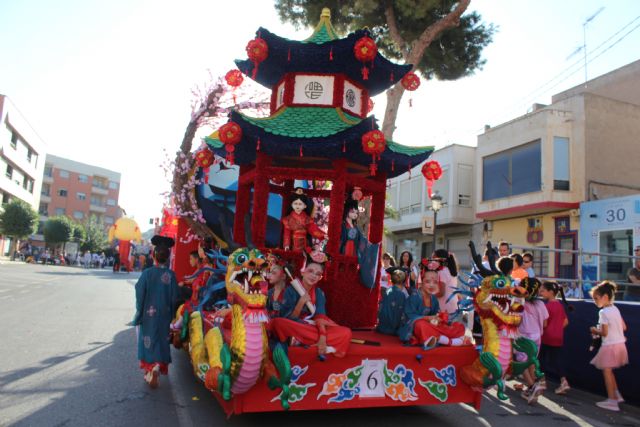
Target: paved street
(68, 359)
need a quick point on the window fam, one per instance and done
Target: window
(111, 202)
(392, 196)
(48, 171)
(560, 163)
(81, 196)
(29, 154)
(14, 140)
(512, 172)
(43, 209)
(40, 227)
(411, 196)
(30, 185)
(465, 182)
(441, 186)
(64, 173)
(113, 185)
(405, 197)
(6, 198)
(78, 214)
(62, 192)
(108, 220)
(616, 242)
(9, 172)
(97, 201)
(83, 178)
(59, 211)
(541, 262)
(416, 195)
(46, 190)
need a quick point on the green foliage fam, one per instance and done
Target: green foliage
(58, 230)
(95, 237)
(78, 234)
(18, 219)
(454, 53)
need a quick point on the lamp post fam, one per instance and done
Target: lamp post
(436, 205)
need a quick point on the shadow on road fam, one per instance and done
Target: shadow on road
(107, 389)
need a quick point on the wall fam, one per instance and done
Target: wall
(612, 150)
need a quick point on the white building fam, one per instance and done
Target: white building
(22, 158)
(407, 194)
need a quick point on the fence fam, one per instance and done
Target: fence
(571, 261)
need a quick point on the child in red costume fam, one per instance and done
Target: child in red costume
(304, 317)
(298, 223)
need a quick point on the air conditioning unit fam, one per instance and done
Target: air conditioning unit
(574, 212)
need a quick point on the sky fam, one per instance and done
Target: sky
(109, 83)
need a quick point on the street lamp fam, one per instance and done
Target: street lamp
(436, 205)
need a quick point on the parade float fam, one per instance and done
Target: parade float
(318, 130)
(121, 234)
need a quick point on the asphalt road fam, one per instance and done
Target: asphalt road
(68, 359)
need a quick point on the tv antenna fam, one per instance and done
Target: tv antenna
(584, 34)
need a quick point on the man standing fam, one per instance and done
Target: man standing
(504, 249)
(527, 258)
(632, 292)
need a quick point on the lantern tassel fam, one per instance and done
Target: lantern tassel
(429, 187)
(344, 146)
(289, 55)
(365, 73)
(258, 145)
(393, 165)
(331, 54)
(301, 154)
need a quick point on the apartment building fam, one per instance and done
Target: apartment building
(535, 170)
(22, 158)
(79, 191)
(407, 194)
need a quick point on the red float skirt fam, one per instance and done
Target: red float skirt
(424, 329)
(338, 336)
(146, 366)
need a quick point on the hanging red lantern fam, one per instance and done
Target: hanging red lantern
(365, 50)
(230, 134)
(257, 51)
(370, 105)
(432, 171)
(373, 143)
(204, 158)
(410, 81)
(234, 78)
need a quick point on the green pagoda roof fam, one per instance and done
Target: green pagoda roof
(324, 31)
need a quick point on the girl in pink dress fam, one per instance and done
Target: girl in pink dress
(613, 351)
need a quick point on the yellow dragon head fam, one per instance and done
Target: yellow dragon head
(245, 280)
(499, 299)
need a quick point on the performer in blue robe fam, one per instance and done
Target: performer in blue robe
(156, 299)
(416, 309)
(391, 311)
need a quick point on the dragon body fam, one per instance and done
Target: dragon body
(234, 355)
(499, 305)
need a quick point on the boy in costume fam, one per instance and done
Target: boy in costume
(391, 311)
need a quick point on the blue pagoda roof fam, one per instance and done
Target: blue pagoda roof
(295, 128)
(314, 56)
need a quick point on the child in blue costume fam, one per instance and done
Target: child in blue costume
(156, 299)
(391, 311)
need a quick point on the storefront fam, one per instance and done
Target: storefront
(609, 226)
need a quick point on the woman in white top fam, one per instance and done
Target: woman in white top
(387, 262)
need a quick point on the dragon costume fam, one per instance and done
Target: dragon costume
(499, 306)
(232, 353)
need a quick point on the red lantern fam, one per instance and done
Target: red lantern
(365, 50)
(370, 105)
(410, 81)
(374, 143)
(234, 78)
(432, 172)
(257, 51)
(204, 158)
(230, 134)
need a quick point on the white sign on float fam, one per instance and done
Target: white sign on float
(313, 90)
(372, 378)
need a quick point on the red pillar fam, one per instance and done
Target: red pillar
(180, 261)
(337, 206)
(260, 201)
(376, 224)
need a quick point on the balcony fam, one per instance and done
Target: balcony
(99, 190)
(47, 179)
(46, 198)
(97, 208)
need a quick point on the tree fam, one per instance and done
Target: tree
(58, 230)
(78, 235)
(18, 220)
(405, 30)
(95, 236)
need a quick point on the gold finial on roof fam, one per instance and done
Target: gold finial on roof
(326, 13)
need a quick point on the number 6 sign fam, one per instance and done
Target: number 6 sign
(371, 380)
